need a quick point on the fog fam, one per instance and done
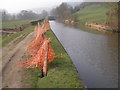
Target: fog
(15, 6)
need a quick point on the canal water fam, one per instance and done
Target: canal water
(95, 55)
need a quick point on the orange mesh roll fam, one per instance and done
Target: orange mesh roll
(38, 60)
(34, 46)
(46, 25)
(39, 49)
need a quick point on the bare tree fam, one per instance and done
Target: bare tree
(112, 14)
(5, 15)
(63, 11)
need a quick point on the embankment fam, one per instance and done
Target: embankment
(61, 72)
(100, 27)
(95, 17)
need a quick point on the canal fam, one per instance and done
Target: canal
(95, 55)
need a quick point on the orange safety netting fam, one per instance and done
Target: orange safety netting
(38, 60)
(46, 25)
(35, 45)
(35, 30)
(38, 48)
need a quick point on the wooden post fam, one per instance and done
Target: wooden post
(45, 62)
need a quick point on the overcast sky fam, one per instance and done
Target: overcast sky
(15, 6)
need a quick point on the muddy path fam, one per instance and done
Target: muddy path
(11, 56)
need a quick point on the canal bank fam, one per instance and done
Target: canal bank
(61, 72)
(94, 54)
(82, 83)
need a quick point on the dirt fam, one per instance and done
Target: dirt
(11, 56)
(8, 31)
(98, 26)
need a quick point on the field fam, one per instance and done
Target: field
(95, 14)
(14, 24)
(22, 34)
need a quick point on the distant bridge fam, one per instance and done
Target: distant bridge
(52, 18)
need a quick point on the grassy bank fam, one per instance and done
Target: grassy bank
(61, 73)
(23, 34)
(95, 14)
(12, 25)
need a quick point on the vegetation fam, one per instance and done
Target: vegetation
(112, 14)
(23, 34)
(61, 73)
(14, 24)
(102, 13)
(69, 12)
(22, 15)
(63, 11)
(96, 14)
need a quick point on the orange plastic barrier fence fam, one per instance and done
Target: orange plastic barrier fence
(38, 60)
(39, 33)
(39, 48)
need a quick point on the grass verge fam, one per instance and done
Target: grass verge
(61, 72)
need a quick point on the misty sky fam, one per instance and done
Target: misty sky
(15, 6)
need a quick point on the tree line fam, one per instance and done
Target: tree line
(65, 11)
(113, 14)
(22, 15)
